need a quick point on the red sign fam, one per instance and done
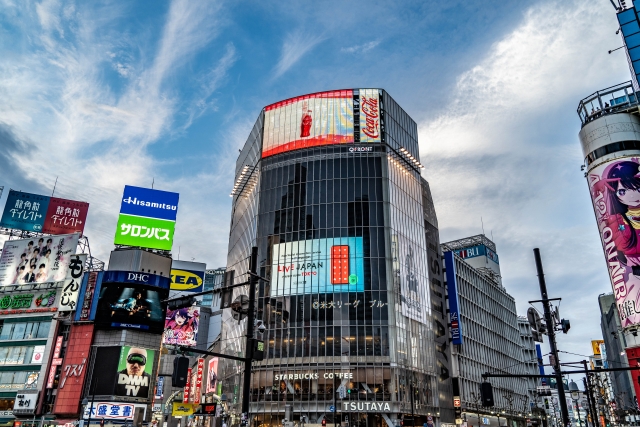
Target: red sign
(633, 354)
(52, 376)
(187, 387)
(65, 216)
(73, 371)
(198, 390)
(456, 402)
(58, 347)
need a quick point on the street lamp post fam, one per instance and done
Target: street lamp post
(575, 395)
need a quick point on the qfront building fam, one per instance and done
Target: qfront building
(328, 188)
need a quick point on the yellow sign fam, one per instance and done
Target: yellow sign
(595, 345)
(185, 280)
(182, 409)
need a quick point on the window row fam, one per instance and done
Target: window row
(18, 380)
(318, 170)
(18, 355)
(24, 330)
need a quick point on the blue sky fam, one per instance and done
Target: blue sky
(103, 94)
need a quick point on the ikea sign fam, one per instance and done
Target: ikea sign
(187, 280)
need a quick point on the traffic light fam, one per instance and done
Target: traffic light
(180, 371)
(324, 422)
(566, 325)
(178, 303)
(486, 393)
(538, 328)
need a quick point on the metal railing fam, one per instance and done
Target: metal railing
(612, 100)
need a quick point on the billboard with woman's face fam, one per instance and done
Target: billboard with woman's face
(615, 192)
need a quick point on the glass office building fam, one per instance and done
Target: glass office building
(328, 188)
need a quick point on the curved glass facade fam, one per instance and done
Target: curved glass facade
(353, 306)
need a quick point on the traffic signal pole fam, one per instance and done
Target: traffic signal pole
(552, 338)
(253, 278)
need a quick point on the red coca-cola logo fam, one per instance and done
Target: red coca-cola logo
(369, 107)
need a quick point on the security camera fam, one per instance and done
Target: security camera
(261, 327)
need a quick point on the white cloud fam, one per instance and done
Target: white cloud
(361, 48)
(496, 151)
(295, 46)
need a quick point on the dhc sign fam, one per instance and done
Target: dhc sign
(137, 277)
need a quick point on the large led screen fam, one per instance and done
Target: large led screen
(308, 121)
(318, 266)
(181, 326)
(615, 192)
(135, 368)
(131, 306)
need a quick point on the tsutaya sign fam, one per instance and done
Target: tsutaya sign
(313, 376)
(366, 406)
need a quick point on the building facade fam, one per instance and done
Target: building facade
(328, 189)
(491, 339)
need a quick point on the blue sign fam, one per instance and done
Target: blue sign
(25, 211)
(332, 408)
(455, 321)
(476, 251)
(137, 278)
(149, 203)
(160, 388)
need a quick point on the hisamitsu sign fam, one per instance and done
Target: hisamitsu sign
(149, 203)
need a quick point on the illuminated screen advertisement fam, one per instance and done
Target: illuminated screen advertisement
(370, 116)
(181, 326)
(615, 193)
(135, 367)
(132, 300)
(308, 121)
(37, 259)
(318, 266)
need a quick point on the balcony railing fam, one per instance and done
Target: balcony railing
(612, 100)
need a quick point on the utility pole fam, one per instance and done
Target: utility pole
(552, 339)
(413, 417)
(253, 278)
(592, 400)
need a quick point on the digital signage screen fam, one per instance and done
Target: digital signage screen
(123, 305)
(308, 121)
(318, 266)
(135, 367)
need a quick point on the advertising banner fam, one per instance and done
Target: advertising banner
(181, 326)
(318, 266)
(159, 388)
(186, 392)
(187, 276)
(71, 286)
(41, 301)
(197, 392)
(122, 305)
(134, 372)
(615, 193)
(455, 327)
(149, 203)
(112, 410)
(38, 355)
(37, 260)
(182, 409)
(212, 375)
(595, 346)
(405, 262)
(308, 121)
(369, 116)
(144, 232)
(43, 214)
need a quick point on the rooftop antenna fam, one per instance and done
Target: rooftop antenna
(179, 252)
(54, 186)
(153, 181)
(482, 222)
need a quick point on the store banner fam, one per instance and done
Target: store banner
(37, 260)
(212, 375)
(182, 409)
(111, 410)
(186, 393)
(74, 369)
(71, 286)
(199, 375)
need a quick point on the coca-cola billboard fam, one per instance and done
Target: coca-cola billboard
(370, 116)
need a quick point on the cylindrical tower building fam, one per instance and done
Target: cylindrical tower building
(610, 139)
(328, 188)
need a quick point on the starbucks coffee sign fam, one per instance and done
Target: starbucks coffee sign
(313, 376)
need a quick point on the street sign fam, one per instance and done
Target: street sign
(332, 408)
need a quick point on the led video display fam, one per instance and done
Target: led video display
(308, 121)
(131, 306)
(318, 266)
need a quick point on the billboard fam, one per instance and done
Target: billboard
(615, 193)
(212, 375)
(122, 305)
(37, 260)
(406, 263)
(181, 326)
(595, 346)
(317, 266)
(147, 218)
(370, 116)
(455, 320)
(187, 276)
(308, 121)
(43, 214)
(134, 372)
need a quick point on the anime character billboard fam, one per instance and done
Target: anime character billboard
(181, 326)
(615, 192)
